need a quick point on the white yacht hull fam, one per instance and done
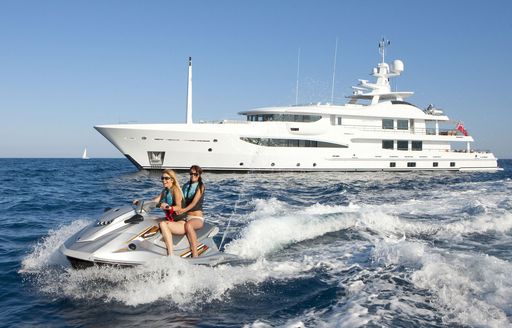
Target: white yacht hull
(219, 147)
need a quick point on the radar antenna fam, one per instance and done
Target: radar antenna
(382, 47)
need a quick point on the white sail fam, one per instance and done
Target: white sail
(84, 155)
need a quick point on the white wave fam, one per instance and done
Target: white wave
(391, 225)
(45, 251)
(465, 289)
(169, 280)
(272, 226)
(271, 234)
(473, 289)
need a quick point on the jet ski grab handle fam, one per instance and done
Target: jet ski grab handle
(134, 219)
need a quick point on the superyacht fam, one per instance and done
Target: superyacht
(376, 130)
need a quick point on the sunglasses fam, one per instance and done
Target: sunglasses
(194, 174)
(165, 178)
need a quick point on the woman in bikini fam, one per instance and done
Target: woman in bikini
(193, 192)
(170, 201)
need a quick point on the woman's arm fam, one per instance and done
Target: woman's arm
(157, 198)
(194, 201)
(178, 199)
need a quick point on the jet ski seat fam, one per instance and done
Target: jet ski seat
(207, 231)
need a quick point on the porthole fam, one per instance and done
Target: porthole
(241, 164)
(209, 149)
(298, 164)
(144, 138)
(215, 140)
(273, 164)
(314, 164)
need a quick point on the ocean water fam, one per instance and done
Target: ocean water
(428, 249)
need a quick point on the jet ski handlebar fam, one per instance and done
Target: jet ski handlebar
(142, 205)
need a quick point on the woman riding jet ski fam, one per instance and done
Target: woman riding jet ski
(130, 235)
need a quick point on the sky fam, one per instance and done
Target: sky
(66, 66)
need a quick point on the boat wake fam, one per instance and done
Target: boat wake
(373, 257)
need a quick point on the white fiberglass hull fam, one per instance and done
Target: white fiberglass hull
(220, 147)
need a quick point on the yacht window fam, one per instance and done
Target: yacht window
(387, 144)
(283, 118)
(402, 145)
(435, 164)
(416, 145)
(270, 142)
(402, 124)
(338, 120)
(411, 164)
(392, 164)
(452, 164)
(430, 127)
(387, 124)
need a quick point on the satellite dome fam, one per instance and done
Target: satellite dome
(398, 66)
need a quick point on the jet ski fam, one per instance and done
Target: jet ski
(130, 235)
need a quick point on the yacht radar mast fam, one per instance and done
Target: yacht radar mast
(380, 90)
(382, 47)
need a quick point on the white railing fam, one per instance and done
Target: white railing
(417, 131)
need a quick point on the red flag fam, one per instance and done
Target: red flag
(461, 128)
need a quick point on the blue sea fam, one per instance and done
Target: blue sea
(427, 249)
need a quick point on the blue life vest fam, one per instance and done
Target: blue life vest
(166, 197)
(189, 192)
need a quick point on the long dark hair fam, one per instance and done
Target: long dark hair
(199, 171)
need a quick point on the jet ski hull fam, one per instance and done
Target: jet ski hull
(125, 236)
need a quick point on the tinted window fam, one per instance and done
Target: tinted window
(387, 144)
(417, 145)
(402, 124)
(270, 142)
(387, 123)
(402, 145)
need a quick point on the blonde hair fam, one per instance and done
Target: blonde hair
(176, 185)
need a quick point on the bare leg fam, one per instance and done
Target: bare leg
(168, 229)
(167, 235)
(190, 228)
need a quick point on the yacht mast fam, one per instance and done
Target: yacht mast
(297, 84)
(334, 72)
(189, 92)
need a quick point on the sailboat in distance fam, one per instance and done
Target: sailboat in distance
(84, 155)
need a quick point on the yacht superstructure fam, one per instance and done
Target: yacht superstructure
(376, 130)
